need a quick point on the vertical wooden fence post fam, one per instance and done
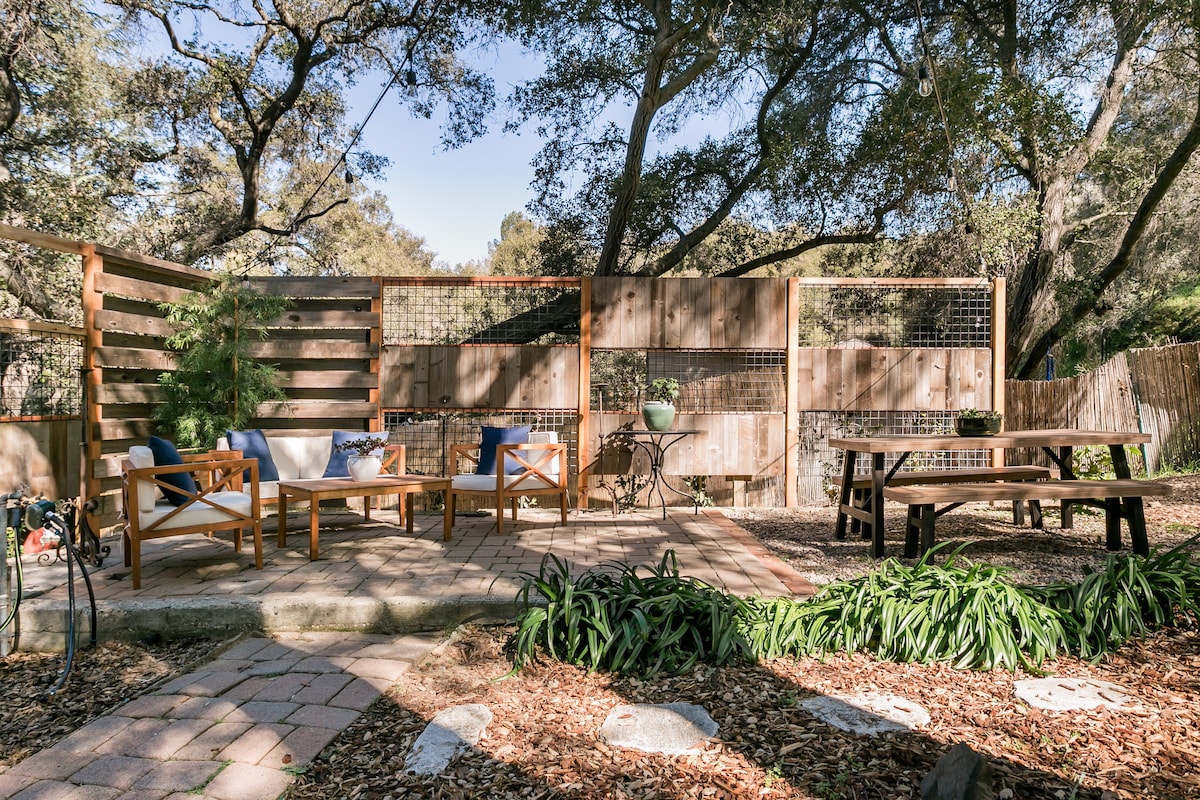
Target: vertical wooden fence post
(584, 399)
(93, 264)
(999, 353)
(791, 422)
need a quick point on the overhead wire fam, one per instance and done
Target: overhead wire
(405, 68)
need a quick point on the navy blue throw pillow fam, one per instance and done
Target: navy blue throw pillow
(498, 436)
(336, 468)
(253, 444)
(165, 455)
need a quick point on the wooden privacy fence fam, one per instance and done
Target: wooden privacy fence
(769, 367)
(1155, 390)
(759, 362)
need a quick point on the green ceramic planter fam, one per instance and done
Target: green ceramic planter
(977, 426)
(658, 416)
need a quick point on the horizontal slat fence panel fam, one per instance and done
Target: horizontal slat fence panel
(890, 378)
(689, 313)
(479, 377)
(325, 346)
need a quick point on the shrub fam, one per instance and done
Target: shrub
(619, 620)
(1129, 597)
(971, 616)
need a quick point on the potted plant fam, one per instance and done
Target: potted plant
(658, 411)
(973, 422)
(363, 462)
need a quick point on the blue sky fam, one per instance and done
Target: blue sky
(454, 199)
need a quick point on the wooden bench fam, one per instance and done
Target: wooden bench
(1120, 499)
(861, 488)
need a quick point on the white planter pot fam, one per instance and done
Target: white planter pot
(364, 468)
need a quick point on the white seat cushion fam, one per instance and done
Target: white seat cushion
(198, 513)
(487, 483)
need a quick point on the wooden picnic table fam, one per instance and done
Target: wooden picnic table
(1058, 444)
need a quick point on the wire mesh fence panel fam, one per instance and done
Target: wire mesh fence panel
(472, 312)
(710, 382)
(428, 437)
(41, 374)
(821, 465)
(931, 315)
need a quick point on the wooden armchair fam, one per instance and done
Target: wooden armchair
(538, 467)
(218, 502)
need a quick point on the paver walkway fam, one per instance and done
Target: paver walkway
(232, 730)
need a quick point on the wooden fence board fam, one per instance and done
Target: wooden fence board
(133, 323)
(144, 290)
(326, 318)
(132, 358)
(316, 409)
(341, 286)
(330, 379)
(501, 377)
(125, 393)
(312, 350)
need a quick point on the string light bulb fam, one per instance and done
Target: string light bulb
(924, 80)
(951, 180)
(410, 81)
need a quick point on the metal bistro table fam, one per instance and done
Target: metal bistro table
(1057, 444)
(655, 445)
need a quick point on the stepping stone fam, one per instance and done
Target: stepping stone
(672, 728)
(451, 731)
(1071, 694)
(867, 714)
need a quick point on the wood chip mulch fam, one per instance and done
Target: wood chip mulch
(544, 742)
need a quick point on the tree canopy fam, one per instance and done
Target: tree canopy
(679, 137)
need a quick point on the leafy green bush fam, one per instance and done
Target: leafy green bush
(971, 616)
(217, 385)
(1129, 597)
(618, 620)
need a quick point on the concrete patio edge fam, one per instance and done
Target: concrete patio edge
(44, 623)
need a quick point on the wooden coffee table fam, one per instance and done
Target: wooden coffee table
(317, 489)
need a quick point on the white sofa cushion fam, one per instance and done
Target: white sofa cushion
(141, 456)
(295, 457)
(300, 456)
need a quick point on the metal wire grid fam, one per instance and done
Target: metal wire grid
(817, 427)
(710, 382)
(41, 374)
(895, 316)
(495, 312)
(427, 437)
